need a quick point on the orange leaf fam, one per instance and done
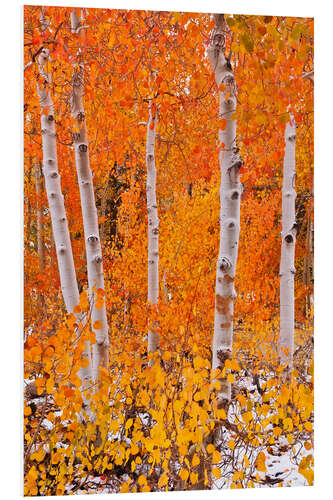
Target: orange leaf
(68, 392)
(222, 124)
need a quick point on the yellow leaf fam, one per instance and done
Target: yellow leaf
(210, 448)
(308, 426)
(163, 480)
(27, 411)
(217, 457)
(124, 488)
(166, 356)
(183, 473)
(247, 416)
(198, 396)
(288, 424)
(129, 423)
(142, 480)
(216, 472)
(305, 469)
(260, 462)
(277, 431)
(215, 373)
(195, 460)
(231, 444)
(194, 478)
(50, 385)
(221, 414)
(76, 381)
(39, 455)
(230, 378)
(235, 366)
(242, 400)
(238, 475)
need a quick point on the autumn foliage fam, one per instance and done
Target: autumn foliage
(153, 422)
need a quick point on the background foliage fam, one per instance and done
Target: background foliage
(154, 424)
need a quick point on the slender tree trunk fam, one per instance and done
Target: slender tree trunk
(230, 194)
(55, 198)
(306, 263)
(288, 236)
(153, 224)
(167, 294)
(40, 244)
(104, 198)
(27, 203)
(89, 213)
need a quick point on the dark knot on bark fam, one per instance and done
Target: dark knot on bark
(83, 148)
(230, 223)
(222, 356)
(225, 264)
(289, 238)
(92, 238)
(80, 116)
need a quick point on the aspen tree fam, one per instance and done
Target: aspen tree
(89, 210)
(55, 198)
(40, 244)
(153, 224)
(230, 194)
(288, 243)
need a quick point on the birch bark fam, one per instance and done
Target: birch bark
(153, 224)
(40, 245)
(89, 211)
(230, 194)
(55, 198)
(53, 189)
(288, 237)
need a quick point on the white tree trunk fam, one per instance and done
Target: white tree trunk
(153, 224)
(230, 194)
(55, 198)
(288, 236)
(39, 221)
(89, 214)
